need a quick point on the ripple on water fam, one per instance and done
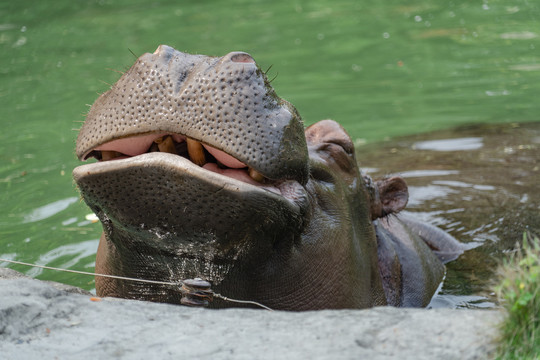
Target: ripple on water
(419, 195)
(458, 144)
(463, 185)
(424, 173)
(460, 302)
(73, 252)
(436, 217)
(49, 210)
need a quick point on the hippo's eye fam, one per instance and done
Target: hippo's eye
(341, 153)
(345, 144)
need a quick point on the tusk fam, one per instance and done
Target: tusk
(255, 175)
(109, 155)
(196, 152)
(166, 144)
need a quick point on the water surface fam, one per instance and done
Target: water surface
(382, 69)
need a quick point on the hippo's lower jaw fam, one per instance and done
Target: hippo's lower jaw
(182, 220)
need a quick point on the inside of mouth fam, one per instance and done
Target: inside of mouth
(200, 154)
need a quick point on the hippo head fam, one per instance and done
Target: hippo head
(205, 172)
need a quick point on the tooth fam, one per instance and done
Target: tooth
(109, 155)
(154, 147)
(255, 175)
(166, 144)
(196, 152)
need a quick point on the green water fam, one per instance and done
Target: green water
(381, 68)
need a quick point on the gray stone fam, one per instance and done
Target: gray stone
(6, 273)
(38, 321)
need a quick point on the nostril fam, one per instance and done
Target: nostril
(164, 50)
(242, 58)
(158, 50)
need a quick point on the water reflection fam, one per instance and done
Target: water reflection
(418, 195)
(70, 253)
(382, 69)
(460, 144)
(461, 301)
(436, 217)
(463, 185)
(49, 210)
(522, 35)
(424, 172)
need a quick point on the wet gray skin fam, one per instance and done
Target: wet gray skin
(204, 172)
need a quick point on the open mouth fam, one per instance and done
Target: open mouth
(203, 155)
(167, 180)
(169, 185)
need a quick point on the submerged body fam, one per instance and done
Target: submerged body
(204, 172)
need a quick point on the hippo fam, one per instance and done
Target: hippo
(204, 172)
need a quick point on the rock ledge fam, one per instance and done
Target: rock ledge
(39, 321)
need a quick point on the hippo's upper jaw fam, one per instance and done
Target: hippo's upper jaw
(224, 103)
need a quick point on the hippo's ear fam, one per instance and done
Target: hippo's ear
(393, 196)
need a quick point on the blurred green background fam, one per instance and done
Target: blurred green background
(381, 68)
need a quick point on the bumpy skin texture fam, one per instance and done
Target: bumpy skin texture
(224, 102)
(307, 243)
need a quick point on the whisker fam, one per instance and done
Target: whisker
(116, 71)
(274, 78)
(267, 70)
(103, 81)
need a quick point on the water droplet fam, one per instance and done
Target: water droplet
(92, 218)
(70, 221)
(417, 18)
(386, 35)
